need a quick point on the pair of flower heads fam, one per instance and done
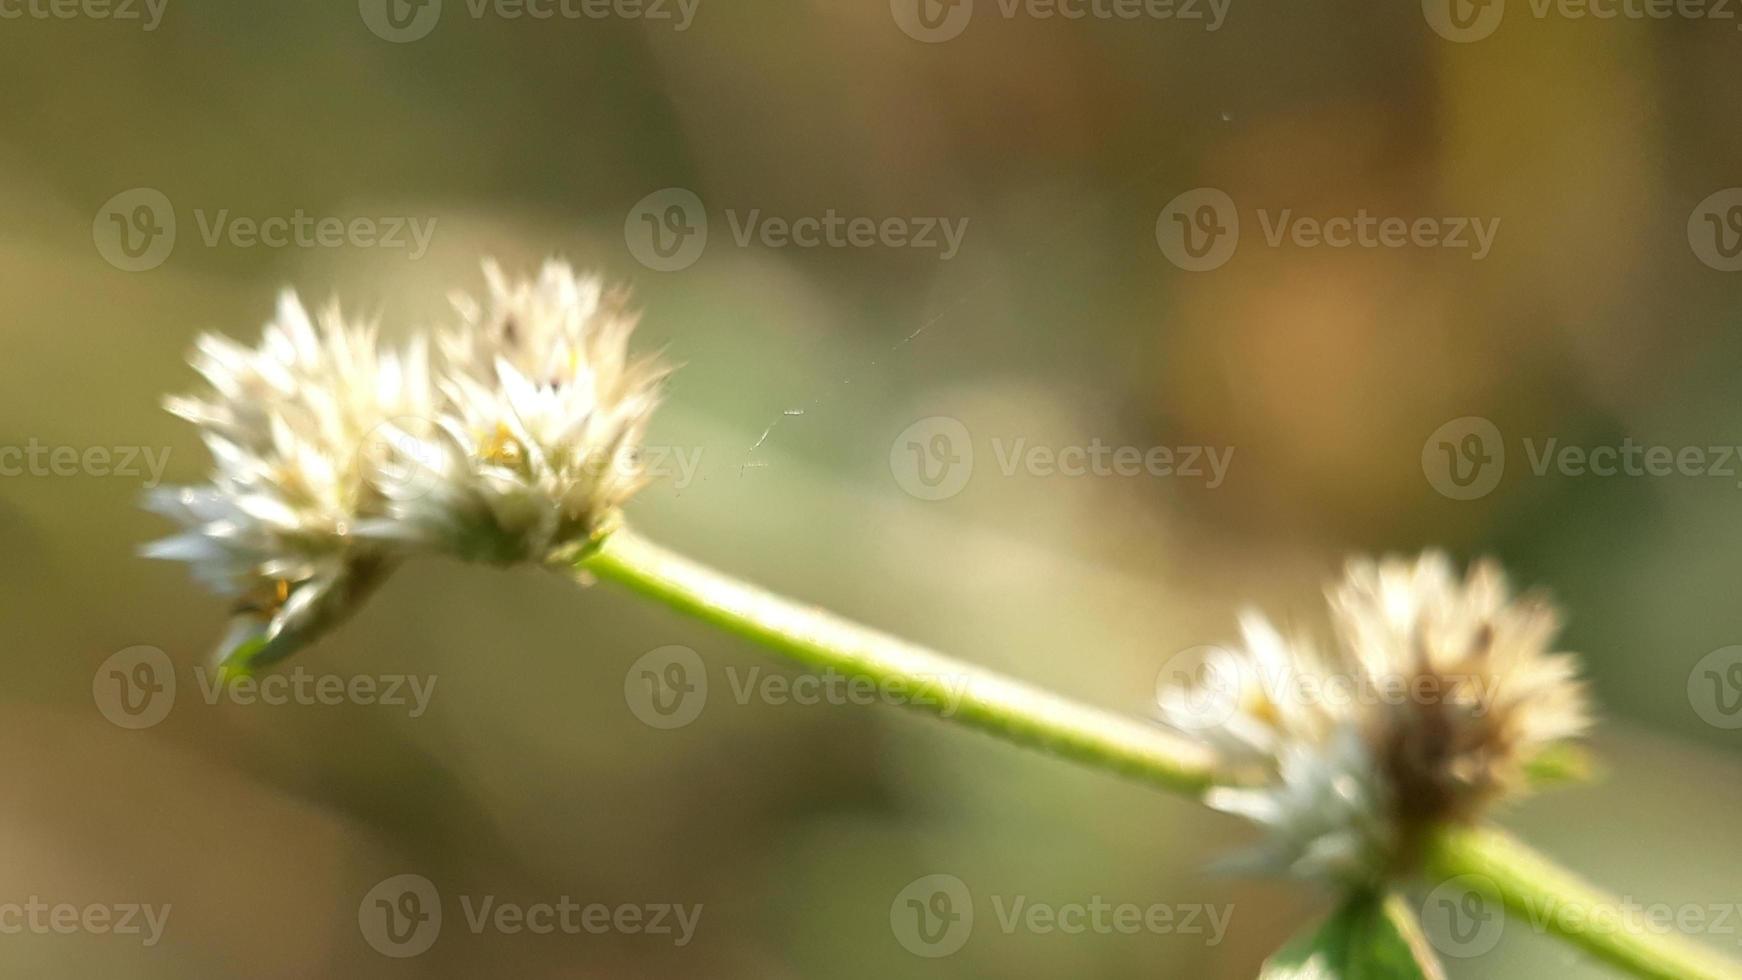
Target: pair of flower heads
(513, 437)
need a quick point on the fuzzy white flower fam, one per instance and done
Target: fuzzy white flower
(290, 426)
(542, 418)
(1436, 696)
(333, 460)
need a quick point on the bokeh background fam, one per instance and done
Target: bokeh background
(1596, 317)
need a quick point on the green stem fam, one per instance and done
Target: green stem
(1554, 900)
(922, 678)
(1525, 882)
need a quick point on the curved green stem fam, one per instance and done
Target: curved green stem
(1553, 900)
(922, 678)
(1527, 884)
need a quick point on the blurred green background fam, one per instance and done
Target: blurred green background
(1595, 318)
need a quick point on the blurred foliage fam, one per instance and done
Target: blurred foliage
(1060, 321)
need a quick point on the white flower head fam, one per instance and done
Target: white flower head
(1436, 695)
(332, 459)
(289, 425)
(543, 412)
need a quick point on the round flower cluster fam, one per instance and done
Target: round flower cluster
(1457, 693)
(332, 459)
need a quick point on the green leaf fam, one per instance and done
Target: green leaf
(1371, 937)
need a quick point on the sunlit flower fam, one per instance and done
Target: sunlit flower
(1437, 694)
(332, 460)
(542, 417)
(291, 426)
